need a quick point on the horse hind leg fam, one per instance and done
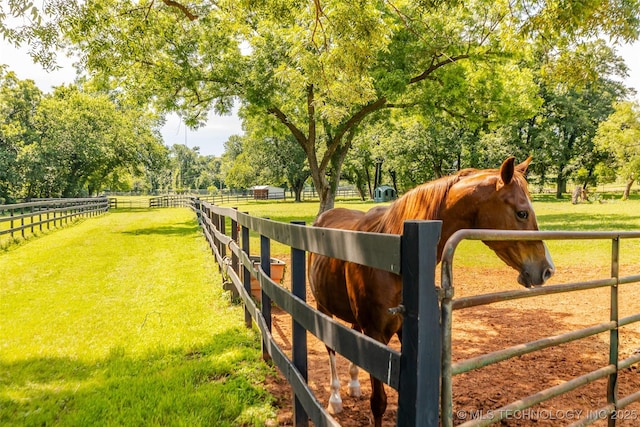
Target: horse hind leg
(335, 402)
(354, 383)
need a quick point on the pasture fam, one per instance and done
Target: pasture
(121, 320)
(111, 348)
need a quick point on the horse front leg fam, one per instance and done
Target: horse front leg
(378, 401)
(335, 402)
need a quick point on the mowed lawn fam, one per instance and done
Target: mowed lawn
(121, 320)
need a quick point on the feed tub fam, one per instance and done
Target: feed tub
(277, 275)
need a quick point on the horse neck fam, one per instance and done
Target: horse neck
(421, 203)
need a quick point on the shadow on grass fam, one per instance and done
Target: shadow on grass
(217, 383)
(179, 229)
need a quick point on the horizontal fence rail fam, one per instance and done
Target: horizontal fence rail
(180, 200)
(397, 369)
(21, 218)
(610, 371)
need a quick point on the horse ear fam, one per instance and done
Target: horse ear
(506, 172)
(522, 167)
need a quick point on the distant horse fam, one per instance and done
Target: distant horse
(362, 296)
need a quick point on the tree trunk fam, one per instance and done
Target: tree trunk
(627, 189)
(366, 170)
(394, 180)
(327, 199)
(561, 184)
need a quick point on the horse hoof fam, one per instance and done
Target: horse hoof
(335, 406)
(354, 391)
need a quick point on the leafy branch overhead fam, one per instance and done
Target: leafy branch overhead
(323, 68)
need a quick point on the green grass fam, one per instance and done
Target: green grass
(121, 320)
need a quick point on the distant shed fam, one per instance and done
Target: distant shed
(384, 193)
(264, 192)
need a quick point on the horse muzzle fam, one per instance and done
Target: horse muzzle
(537, 273)
(528, 278)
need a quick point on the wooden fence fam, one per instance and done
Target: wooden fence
(422, 371)
(399, 370)
(22, 218)
(178, 200)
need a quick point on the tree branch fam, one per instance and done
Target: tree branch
(435, 65)
(348, 125)
(182, 8)
(285, 120)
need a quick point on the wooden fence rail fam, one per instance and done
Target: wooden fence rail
(27, 217)
(418, 357)
(425, 360)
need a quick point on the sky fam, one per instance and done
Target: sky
(210, 138)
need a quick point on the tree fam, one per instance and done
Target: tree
(19, 100)
(620, 136)
(82, 143)
(319, 68)
(578, 87)
(274, 153)
(185, 167)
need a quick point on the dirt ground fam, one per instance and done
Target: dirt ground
(488, 328)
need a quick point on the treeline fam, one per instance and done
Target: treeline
(74, 142)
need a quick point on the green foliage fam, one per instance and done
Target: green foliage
(619, 135)
(71, 142)
(321, 69)
(99, 330)
(19, 100)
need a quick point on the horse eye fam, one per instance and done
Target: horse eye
(523, 214)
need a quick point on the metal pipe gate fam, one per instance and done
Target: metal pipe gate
(448, 304)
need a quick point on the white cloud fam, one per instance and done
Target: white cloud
(210, 138)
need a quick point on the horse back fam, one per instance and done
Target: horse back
(344, 219)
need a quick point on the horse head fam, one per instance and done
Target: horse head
(499, 199)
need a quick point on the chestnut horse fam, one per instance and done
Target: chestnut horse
(362, 296)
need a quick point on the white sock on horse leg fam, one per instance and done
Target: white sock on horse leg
(354, 383)
(335, 402)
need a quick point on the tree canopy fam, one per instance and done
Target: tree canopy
(322, 68)
(69, 143)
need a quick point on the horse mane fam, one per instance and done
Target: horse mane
(420, 203)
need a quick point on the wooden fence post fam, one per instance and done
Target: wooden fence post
(265, 262)
(419, 387)
(246, 275)
(234, 237)
(299, 338)
(223, 230)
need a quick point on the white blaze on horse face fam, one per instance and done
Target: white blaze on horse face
(547, 254)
